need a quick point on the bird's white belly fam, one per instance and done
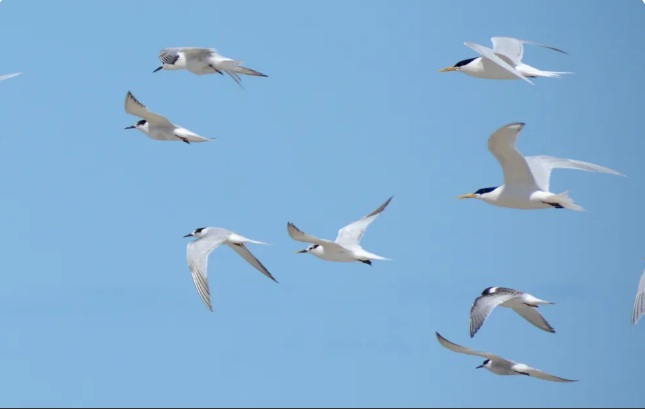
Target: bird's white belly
(489, 70)
(501, 368)
(334, 254)
(520, 199)
(199, 67)
(162, 134)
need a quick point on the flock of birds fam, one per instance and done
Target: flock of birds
(526, 186)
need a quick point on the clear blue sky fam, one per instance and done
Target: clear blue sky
(99, 308)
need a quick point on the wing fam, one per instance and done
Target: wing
(513, 48)
(7, 76)
(136, 108)
(243, 251)
(197, 258)
(482, 307)
(542, 165)
(189, 52)
(458, 348)
(352, 234)
(299, 235)
(532, 315)
(639, 303)
(536, 373)
(515, 167)
(491, 55)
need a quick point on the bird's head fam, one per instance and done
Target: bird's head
(459, 66)
(141, 125)
(482, 193)
(487, 364)
(310, 249)
(490, 290)
(198, 232)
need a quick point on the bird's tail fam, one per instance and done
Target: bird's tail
(534, 72)
(565, 201)
(373, 256)
(236, 67)
(236, 238)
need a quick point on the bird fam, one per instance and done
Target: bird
(503, 62)
(526, 178)
(500, 366)
(156, 126)
(203, 61)
(346, 247)
(207, 240)
(7, 76)
(522, 303)
(639, 302)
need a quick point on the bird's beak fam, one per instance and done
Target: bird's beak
(301, 251)
(129, 127)
(188, 235)
(480, 366)
(157, 69)
(448, 69)
(467, 196)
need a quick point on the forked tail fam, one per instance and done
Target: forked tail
(563, 200)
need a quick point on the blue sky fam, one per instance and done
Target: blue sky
(98, 305)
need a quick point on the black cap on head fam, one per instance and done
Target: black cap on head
(465, 62)
(485, 190)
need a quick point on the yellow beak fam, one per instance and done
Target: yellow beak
(448, 69)
(467, 196)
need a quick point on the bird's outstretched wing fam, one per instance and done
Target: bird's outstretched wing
(536, 373)
(197, 253)
(246, 254)
(542, 165)
(498, 59)
(351, 235)
(502, 144)
(463, 350)
(513, 48)
(136, 108)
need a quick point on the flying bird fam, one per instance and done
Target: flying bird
(208, 239)
(522, 303)
(7, 76)
(639, 302)
(500, 366)
(156, 126)
(526, 178)
(503, 62)
(203, 61)
(346, 247)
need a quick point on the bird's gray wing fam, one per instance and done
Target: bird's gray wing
(7, 76)
(536, 373)
(639, 302)
(243, 251)
(502, 144)
(483, 306)
(532, 315)
(136, 108)
(197, 257)
(513, 48)
(498, 59)
(351, 235)
(463, 350)
(542, 165)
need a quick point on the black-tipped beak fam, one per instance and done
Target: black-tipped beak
(189, 235)
(157, 69)
(301, 251)
(129, 127)
(480, 366)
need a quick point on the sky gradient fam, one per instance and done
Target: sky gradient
(99, 308)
